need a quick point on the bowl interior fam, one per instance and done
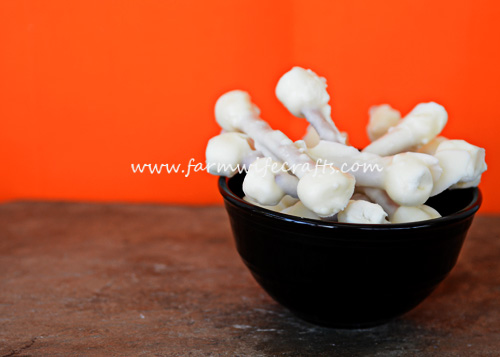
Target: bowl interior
(451, 204)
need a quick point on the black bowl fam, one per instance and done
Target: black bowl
(348, 275)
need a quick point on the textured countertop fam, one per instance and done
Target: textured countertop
(118, 279)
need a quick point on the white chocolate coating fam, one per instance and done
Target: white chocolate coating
(382, 117)
(325, 191)
(462, 163)
(359, 211)
(430, 161)
(299, 210)
(408, 178)
(381, 198)
(260, 183)
(285, 202)
(409, 181)
(419, 127)
(330, 150)
(226, 152)
(311, 137)
(301, 88)
(400, 189)
(400, 214)
(426, 121)
(406, 214)
(431, 147)
(235, 111)
(304, 94)
(230, 108)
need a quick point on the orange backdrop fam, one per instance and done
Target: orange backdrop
(88, 88)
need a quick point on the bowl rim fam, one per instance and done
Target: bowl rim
(467, 211)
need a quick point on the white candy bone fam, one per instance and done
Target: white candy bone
(285, 202)
(360, 211)
(419, 127)
(311, 137)
(431, 146)
(299, 210)
(397, 213)
(325, 191)
(462, 163)
(230, 153)
(382, 117)
(406, 214)
(380, 197)
(226, 152)
(408, 178)
(267, 182)
(235, 111)
(304, 94)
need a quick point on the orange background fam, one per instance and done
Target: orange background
(89, 87)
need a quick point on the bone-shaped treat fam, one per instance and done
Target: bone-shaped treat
(382, 118)
(419, 127)
(230, 153)
(288, 205)
(408, 178)
(304, 94)
(226, 153)
(285, 202)
(311, 137)
(431, 147)
(396, 182)
(325, 191)
(397, 213)
(361, 211)
(462, 163)
(300, 210)
(267, 182)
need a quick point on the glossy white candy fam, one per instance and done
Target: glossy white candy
(431, 147)
(232, 107)
(304, 94)
(413, 214)
(408, 178)
(235, 112)
(260, 184)
(396, 180)
(462, 163)
(285, 202)
(301, 88)
(299, 210)
(419, 127)
(382, 117)
(360, 211)
(397, 213)
(325, 191)
(226, 152)
(311, 137)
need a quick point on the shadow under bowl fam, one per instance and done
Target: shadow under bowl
(348, 275)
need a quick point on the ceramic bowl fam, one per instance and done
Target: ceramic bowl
(348, 275)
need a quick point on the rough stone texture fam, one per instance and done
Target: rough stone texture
(113, 279)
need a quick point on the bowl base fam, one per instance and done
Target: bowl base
(324, 306)
(345, 326)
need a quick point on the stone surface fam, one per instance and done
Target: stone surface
(113, 279)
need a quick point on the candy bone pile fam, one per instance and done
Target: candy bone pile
(321, 176)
